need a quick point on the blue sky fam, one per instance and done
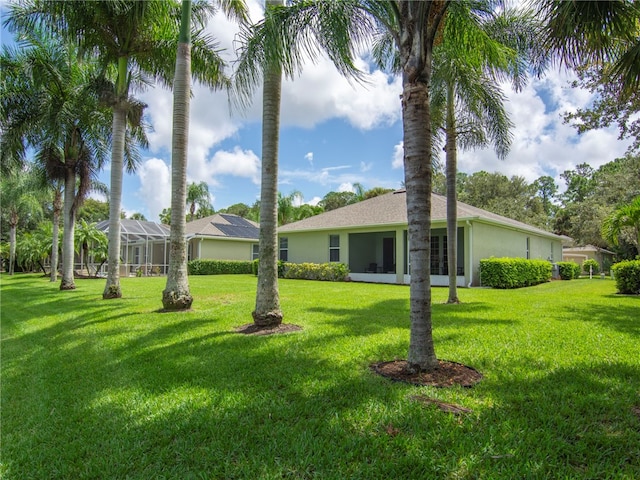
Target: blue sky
(336, 133)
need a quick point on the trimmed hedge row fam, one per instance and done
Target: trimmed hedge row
(627, 275)
(513, 272)
(218, 267)
(331, 272)
(568, 270)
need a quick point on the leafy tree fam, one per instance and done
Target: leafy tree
(376, 191)
(333, 200)
(579, 183)
(93, 210)
(547, 190)
(608, 108)
(240, 209)
(138, 216)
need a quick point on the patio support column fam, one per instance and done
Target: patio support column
(400, 256)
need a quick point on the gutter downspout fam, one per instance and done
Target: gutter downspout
(470, 254)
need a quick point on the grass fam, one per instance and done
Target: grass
(114, 389)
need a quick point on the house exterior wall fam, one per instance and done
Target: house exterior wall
(492, 240)
(313, 247)
(217, 249)
(478, 240)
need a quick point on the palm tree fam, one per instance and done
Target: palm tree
(198, 198)
(625, 216)
(176, 295)
(602, 33)
(137, 41)
(268, 312)
(52, 105)
(87, 237)
(467, 102)
(18, 201)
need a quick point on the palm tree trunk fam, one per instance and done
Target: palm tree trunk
(68, 228)
(418, 178)
(13, 226)
(268, 312)
(176, 295)
(452, 197)
(57, 207)
(112, 288)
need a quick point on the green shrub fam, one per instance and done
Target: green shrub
(218, 267)
(513, 272)
(332, 272)
(627, 275)
(568, 270)
(591, 263)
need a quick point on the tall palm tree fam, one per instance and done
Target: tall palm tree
(50, 103)
(467, 102)
(137, 41)
(176, 295)
(268, 312)
(198, 197)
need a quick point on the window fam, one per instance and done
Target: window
(334, 248)
(551, 257)
(284, 249)
(435, 255)
(255, 251)
(528, 248)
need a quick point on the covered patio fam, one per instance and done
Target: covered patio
(143, 248)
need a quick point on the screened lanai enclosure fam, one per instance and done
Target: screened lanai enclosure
(144, 247)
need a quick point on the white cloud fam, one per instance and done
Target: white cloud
(155, 186)
(397, 160)
(542, 143)
(346, 187)
(335, 96)
(239, 162)
(309, 158)
(365, 167)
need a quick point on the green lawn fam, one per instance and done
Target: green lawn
(113, 389)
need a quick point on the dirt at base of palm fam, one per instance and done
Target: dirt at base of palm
(447, 375)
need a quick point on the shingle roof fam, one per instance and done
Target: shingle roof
(391, 209)
(223, 225)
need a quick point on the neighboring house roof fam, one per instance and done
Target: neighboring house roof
(586, 248)
(132, 230)
(391, 209)
(223, 225)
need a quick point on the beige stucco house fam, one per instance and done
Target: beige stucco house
(604, 257)
(222, 237)
(371, 238)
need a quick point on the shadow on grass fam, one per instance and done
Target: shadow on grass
(185, 397)
(621, 318)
